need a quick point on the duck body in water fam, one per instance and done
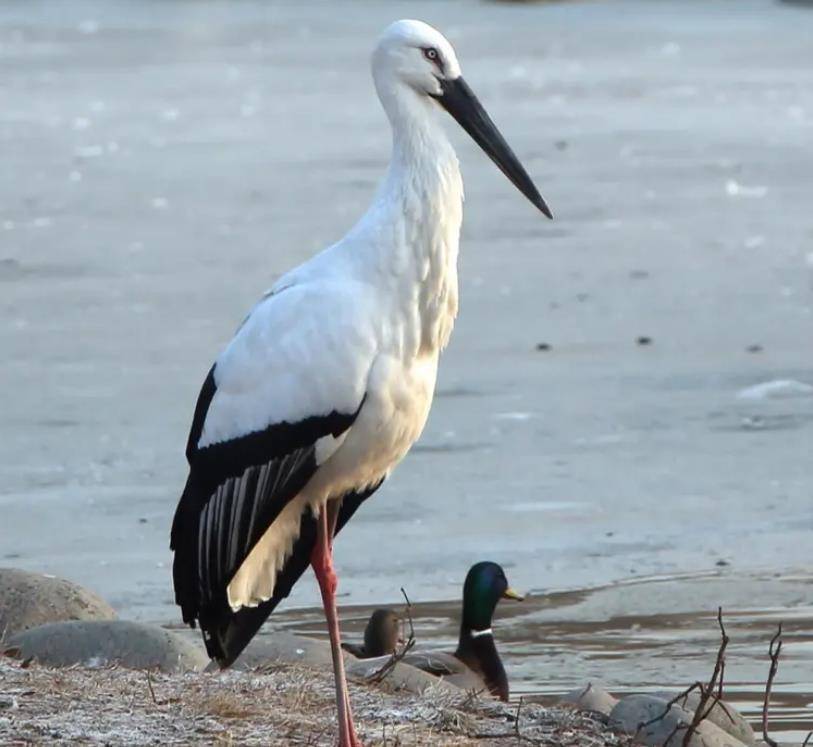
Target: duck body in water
(476, 657)
(381, 636)
(476, 663)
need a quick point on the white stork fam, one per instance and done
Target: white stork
(328, 382)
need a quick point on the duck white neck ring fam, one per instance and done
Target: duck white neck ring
(479, 633)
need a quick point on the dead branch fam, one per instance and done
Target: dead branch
(708, 699)
(149, 685)
(720, 683)
(807, 739)
(715, 682)
(397, 655)
(774, 648)
(516, 734)
(507, 735)
(661, 716)
(678, 727)
(516, 718)
(472, 696)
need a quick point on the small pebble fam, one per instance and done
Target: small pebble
(561, 144)
(643, 340)
(142, 520)
(756, 348)
(543, 346)
(722, 563)
(639, 274)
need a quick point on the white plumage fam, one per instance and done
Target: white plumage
(329, 381)
(364, 319)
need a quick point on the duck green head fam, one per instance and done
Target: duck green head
(485, 585)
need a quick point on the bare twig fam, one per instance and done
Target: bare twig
(472, 696)
(720, 683)
(516, 718)
(678, 727)
(707, 692)
(409, 615)
(774, 648)
(807, 739)
(708, 699)
(661, 716)
(723, 707)
(516, 734)
(397, 656)
(149, 685)
(507, 735)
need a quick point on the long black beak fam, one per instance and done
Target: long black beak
(459, 100)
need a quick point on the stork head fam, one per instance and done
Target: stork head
(413, 56)
(414, 53)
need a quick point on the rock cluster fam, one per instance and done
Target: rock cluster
(106, 643)
(652, 721)
(31, 599)
(59, 624)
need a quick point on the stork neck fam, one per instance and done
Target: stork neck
(424, 191)
(419, 142)
(411, 231)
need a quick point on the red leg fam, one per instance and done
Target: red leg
(322, 562)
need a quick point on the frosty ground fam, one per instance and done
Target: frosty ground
(283, 705)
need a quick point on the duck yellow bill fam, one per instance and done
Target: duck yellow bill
(509, 593)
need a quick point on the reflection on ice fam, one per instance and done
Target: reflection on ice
(776, 389)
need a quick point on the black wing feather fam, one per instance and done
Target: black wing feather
(234, 492)
(226, 637)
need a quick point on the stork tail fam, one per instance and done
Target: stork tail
(227, 633)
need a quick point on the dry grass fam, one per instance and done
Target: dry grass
(284, 705)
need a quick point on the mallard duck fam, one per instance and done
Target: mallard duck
(381, 636)
(475, 664)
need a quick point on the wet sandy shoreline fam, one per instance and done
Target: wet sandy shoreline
(644, 635)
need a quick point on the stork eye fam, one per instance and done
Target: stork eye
(431, 54)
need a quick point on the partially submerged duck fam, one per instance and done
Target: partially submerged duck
(476, 663)
(381, 636)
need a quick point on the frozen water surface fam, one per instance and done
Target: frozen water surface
(164, 161)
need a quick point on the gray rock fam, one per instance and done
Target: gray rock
(634, 710)
(287, 648)
(591, 697)
(101, 643)
(31, 599)
(631, 712)
(711, 735)
(724, 715)
(402, 676)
